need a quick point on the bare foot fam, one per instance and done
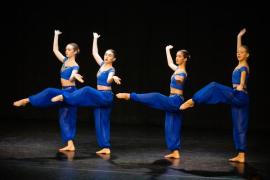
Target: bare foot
(125, 96)
(239, 158)
(188, 104)
(57, 98)
(69, 147)
(21, 102)
(105, 156)
(104, 151)
(175, 154)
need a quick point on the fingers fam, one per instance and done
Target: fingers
(117, 80)
(57, 32)
(169, 47)
(96, 35)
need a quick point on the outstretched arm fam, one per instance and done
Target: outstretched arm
(76, 76)
(169, 58)
(239, 38)
(112, 77)
(56, 51)
(95, 49)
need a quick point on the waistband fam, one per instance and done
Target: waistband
(173, 94)
(68, 87)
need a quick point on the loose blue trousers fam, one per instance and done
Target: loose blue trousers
(173, 118)
(215, 93)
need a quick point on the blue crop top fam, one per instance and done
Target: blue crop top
(236, 75)
(66, 71)
(175, 84)
(102, 76)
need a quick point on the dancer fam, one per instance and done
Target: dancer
(237, 97)
(99, 99)
(69, 74)
(170, 105)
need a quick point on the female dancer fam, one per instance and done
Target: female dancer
(68, 73)
(169, 104)
(237, 97)
(100, 99)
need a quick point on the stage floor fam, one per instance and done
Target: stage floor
(28, 150)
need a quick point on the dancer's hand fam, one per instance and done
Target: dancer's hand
(169, 47)
(117, 80)
(79, 77)
(57, 32)
(242, 32)
(96, 35)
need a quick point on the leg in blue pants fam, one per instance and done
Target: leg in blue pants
(90, 97)
(102, 125)
(173, 119)
(67, 113)
(101, 101)
(215, 93)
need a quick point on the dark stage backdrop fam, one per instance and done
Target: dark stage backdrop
(139, 33)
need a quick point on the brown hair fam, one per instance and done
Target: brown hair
(75, 47)
(185, 53)
(245, 47)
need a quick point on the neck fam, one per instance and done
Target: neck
(242, 63)
(108, 64)
(182, 66)
(71, 58)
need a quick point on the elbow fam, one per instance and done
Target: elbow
(109, 81)
(94, 53)
(71, 78)
(55, 50)
(171, 65)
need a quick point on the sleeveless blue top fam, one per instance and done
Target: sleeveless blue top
(236, 75)
(66, 71)
(175, 84)
(102, 76)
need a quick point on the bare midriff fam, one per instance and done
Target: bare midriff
(104, 88)
(176, 91)
(65, 82)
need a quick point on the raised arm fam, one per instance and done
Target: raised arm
(56, 51)
(239, 38)
(169, 58)
(95, 49)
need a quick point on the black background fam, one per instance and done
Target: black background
(139, 32)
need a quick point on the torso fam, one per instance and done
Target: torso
(66, 64)
(236, 76)
(174, 90)
(104, 72)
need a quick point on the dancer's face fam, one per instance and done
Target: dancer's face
(242, 54)
(180, 59)
(109, 57)
(70, 52)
